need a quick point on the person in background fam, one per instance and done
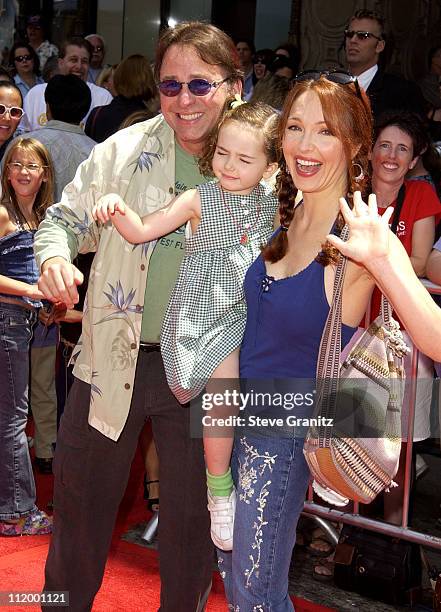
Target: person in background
(433, 270)
(26, 67)
(261, 60)
(119, 374)
(272, 90)
(283, 67)
(290, 51)
(399, 139)
(96, 65)
(74, 59)
(364, 43)
(106, 79)
(68, 100)
(50, 69)
(27, 181)
(36, 33)
(430, 83)
(5, 75)
(246, 50)
(136, 90)
(11, 112)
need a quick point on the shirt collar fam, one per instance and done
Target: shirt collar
(54, 124)
(365, 78)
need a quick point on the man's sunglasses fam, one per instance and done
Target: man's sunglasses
(15, 112)
(23, 58)
(341, 77)
(361, 35)
(198, 87)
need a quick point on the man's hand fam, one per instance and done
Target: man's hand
(107, 206)
(58, 281)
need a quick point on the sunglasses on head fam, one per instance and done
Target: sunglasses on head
(341, 77)
(198, 87)
(361, 34)
(22, 58)
(15, 112)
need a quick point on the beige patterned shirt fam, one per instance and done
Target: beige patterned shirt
(138, 163)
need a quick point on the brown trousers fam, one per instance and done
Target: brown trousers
(91, 474)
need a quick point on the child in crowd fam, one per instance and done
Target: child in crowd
(230, 219)
(27, 187)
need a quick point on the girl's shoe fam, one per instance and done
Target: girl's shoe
(152, 502)
(35, 523)
(222, 510)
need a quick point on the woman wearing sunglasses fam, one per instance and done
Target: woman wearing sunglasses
(11, 112)
(26, 67)
(324, 136)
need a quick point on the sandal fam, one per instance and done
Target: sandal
(320, 546)
(36, 522)
(323, 571)
(152, 502)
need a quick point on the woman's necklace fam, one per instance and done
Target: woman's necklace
(245, 228)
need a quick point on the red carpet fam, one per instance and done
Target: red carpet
(131, 580)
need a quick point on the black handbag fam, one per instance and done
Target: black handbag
(378, 566)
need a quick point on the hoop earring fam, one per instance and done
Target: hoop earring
(360, 175)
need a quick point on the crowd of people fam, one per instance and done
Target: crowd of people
(170, 232)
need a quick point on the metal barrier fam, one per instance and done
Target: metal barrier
(323, 514)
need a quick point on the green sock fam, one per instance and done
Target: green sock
(220, 486)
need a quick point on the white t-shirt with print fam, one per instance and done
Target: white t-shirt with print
(35, 106)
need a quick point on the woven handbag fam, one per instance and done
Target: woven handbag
(354, 441)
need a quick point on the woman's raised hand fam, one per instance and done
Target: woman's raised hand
(368, 231)
(107, 206)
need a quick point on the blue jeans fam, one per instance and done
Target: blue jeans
(271, 478)
(17, 485)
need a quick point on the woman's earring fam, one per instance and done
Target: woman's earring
(360, 175)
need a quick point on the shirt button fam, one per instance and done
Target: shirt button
(142, 267)
(127, 386)
(171, 190)
(133, 345)
(138, 308)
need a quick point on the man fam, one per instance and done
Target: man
(35, 30)
(364, 42)
(74, 59)
(120, 380)
(68, 100)
(246, 49)
(430, 83)
(97, 60)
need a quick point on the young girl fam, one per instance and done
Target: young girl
(230, 220)
(27, 186)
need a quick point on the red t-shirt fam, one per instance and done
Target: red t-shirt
(420, 202)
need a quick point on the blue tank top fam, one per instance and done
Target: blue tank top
(285, 321)
(17, 259)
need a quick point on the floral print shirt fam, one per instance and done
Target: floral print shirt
(138, 163)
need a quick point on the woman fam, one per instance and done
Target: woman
(11, 112)
(136, 90)
(26, 67)
(325, 131)
(399, 139)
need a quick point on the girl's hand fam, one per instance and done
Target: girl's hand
(368, 231)
(34, 293)
(107, 206)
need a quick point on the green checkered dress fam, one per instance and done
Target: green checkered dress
(205, 318)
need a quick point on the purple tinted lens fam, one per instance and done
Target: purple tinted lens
(199, 87)
(170, 88)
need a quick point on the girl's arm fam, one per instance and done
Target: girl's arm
(185, 207)
(19, 288)
(373, 245)
(423, 236)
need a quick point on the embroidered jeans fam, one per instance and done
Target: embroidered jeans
(17, 486)
(271, 478)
